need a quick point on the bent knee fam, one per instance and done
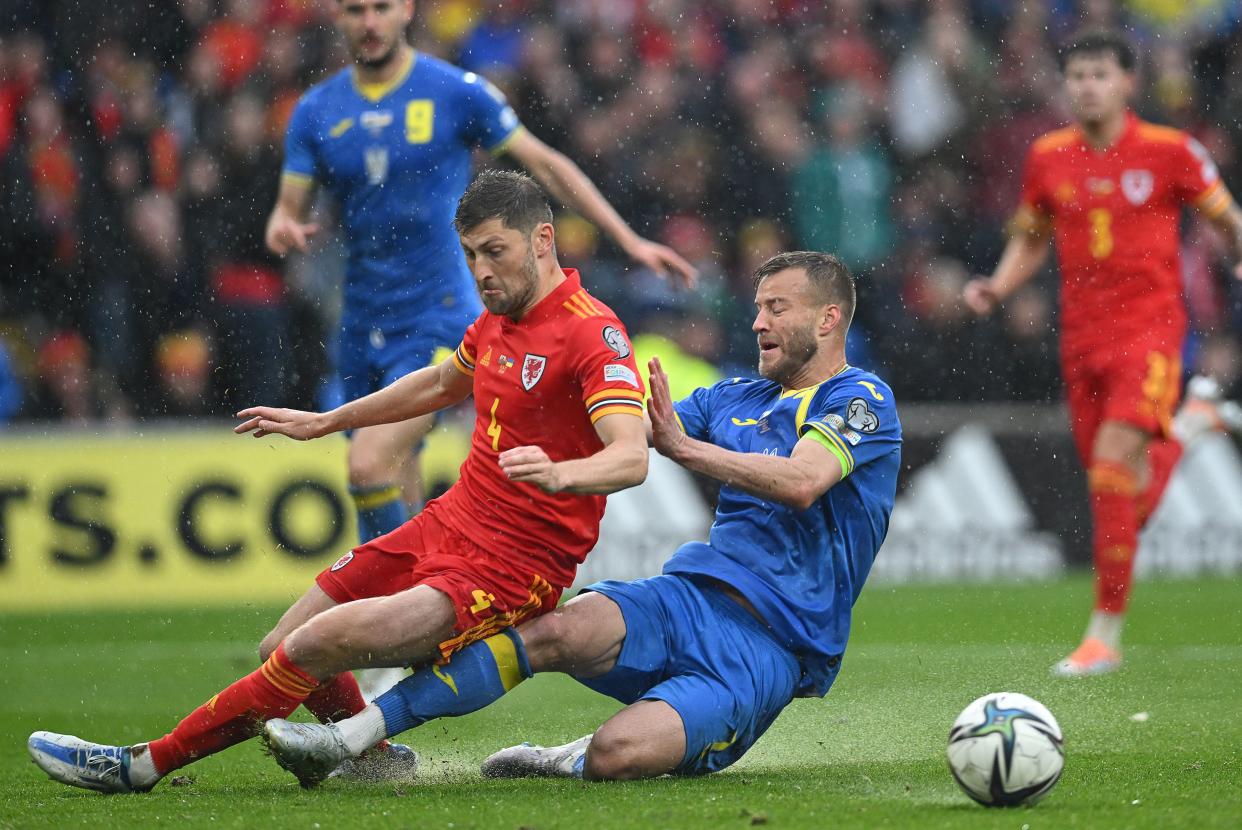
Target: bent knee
(546, 641)
(613, 756)
(1120, 443)
(268, 645)
(316, 642)
(370, 469)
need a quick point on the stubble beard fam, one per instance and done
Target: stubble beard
(380, 62)
(516, 303)
(799, 348)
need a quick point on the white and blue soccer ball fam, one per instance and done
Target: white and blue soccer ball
(1006, 749)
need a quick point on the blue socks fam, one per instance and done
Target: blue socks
(475, 676)
(380, 510)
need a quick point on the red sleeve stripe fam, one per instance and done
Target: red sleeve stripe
(615, 393)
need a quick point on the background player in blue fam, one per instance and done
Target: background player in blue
(391, 138)
(707, 654)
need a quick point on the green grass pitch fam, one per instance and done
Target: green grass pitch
(870, 755)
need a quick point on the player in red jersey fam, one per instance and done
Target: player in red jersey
(559, 423)
(1110, 190)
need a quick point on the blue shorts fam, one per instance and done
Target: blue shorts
(691, 646)
(367, 359)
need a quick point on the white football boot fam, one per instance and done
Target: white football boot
(527, 761)
(78, 763)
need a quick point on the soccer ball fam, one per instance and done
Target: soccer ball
(1005, 750)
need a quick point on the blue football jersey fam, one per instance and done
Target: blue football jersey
(397, 158)
(801, 569)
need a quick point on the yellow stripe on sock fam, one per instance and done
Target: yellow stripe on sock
(378, 498)
(289, 688)
(290, 677)
(505, 655)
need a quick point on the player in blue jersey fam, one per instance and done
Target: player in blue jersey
(707, 654)
(391, 138)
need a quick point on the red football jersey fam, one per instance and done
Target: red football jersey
(1115, 215)
(542, 381)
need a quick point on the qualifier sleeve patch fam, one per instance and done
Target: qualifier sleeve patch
(861, 417)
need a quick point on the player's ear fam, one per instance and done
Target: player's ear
(830, 318)
(543, 239)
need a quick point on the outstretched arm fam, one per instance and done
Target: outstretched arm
(566, 181)
(418, 393)
(287, 227)
(1025, 253)
(796, 482)
(620, 464)
(1229, 223)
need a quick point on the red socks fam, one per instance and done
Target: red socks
(336, 699)
(274, 690)
(1115, 510)
(1119, 511)
(1162, 456)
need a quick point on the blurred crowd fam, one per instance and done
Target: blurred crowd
(140, 150)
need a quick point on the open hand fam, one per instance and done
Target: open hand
(266, 420)
(285, 233)
(664, 261)
(666, 434)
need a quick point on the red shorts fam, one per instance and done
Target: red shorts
(487, 592)
(1135, 384)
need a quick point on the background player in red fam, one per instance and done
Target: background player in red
(1110, 190)
(559, 423)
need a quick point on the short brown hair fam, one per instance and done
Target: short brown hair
(831, 281)
(1099, 42)
(513, 198)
